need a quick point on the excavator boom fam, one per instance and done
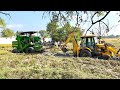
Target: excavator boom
(75, 45)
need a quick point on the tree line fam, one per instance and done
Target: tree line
(111, 36)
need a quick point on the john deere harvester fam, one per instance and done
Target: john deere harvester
(27, 42)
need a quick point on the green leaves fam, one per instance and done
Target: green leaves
(51, 29)
(7, 33)
(60, 34)
(2, 23)
(44, 33)
(100, 13)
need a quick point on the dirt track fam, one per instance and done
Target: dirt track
(57, 52)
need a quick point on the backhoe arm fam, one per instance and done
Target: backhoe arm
(69, 38)
(75, 45)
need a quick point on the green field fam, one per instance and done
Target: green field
(49, 66)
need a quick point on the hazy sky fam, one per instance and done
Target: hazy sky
(30, 20)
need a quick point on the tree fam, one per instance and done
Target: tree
(7, 33)
(61, 34)
(44, 33)
(78, 32)
(67, 27)
(67, 16)
(64, 17)
(117, 36)
(52, 29)
(2, 23)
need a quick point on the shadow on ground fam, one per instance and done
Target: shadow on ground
(63, 55)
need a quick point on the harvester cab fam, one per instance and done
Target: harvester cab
(28, 42)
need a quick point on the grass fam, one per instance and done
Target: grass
(114, 41)
(41, 66)
(5, 45)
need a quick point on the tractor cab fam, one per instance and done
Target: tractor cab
(88, 46)
(89, 41)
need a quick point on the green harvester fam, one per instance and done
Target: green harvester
(27, 42)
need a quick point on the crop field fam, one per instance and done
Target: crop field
(114, 41)
(54, 64)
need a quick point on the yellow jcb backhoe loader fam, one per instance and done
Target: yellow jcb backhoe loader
(91, 46)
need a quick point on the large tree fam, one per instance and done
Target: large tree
(44, 33)
(7, 33)
(67, 16)
(52, 27)
(67, 28)
(61, 34)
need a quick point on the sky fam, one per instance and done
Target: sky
(25, 20)
(33, 21)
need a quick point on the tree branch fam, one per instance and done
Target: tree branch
(77, 16)
(106, 25)
(97, 20)
(5, 14)
(101, 18)
(93, 16)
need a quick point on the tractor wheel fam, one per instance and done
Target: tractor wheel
(105, 57)
(30, 50)
(14, 51)
(75, 55)
(42, 51)
(85, 53)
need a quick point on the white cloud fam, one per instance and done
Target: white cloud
(14, 26)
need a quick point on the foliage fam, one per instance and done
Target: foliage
(7, 33)
(44, 33)
(60, 34)
(51, 29)
(2, 23)
(67, 16)
(78, 32)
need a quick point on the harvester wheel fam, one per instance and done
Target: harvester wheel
(14, 51)
(85, 53)
(30, 50)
